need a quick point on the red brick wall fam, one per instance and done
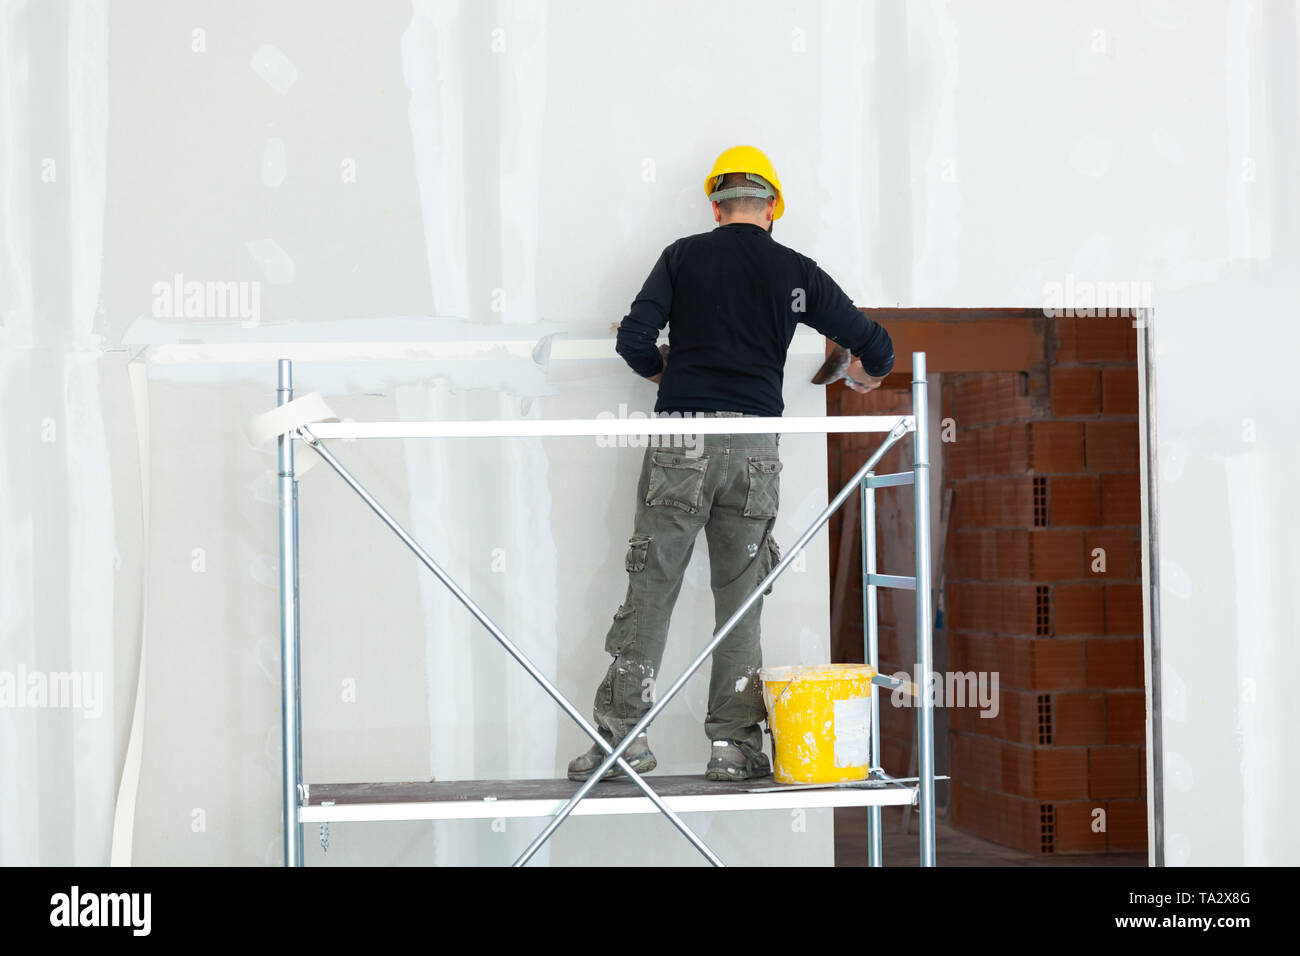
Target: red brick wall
(894, 553)
(1044, 471)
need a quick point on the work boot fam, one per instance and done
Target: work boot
(733, 761)
(638, 755)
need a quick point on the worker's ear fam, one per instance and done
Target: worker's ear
(717, 213)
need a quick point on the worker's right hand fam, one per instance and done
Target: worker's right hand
(857, 378)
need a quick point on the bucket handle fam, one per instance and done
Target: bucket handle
(782, 694)
(774, 703)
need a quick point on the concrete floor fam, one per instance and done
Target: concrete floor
(952, 847)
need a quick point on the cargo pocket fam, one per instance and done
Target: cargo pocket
(622, 633)
(637, 547)
(763, 496)
(771, 558)
(676, 481)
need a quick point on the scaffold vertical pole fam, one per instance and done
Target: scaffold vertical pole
(875, 830)
(290, 710)
(924, 614)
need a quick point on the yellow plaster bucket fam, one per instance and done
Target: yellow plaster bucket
(820, 717)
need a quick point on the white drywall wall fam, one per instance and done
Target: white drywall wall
(435, 121)
(516, 162)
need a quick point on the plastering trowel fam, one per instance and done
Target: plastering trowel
(835, 367)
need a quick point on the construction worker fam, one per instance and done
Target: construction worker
(731, 299)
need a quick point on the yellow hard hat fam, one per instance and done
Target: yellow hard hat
(752, 161)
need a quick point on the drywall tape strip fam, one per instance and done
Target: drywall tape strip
(302, 410)
(129, 783)
(284, 418)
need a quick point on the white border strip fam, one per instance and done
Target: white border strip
(562, 349)
(658, 425)
(605, 806)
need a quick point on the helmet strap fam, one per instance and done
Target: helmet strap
(763, 190)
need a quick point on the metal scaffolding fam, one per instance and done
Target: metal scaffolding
(321, 803)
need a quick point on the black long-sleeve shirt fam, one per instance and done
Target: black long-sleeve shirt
(731, 299)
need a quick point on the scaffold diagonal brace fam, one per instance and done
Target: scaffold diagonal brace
(661, 702)
(511, 648)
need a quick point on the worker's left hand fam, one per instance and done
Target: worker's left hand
(658, 376)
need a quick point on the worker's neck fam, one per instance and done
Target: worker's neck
(764, 224)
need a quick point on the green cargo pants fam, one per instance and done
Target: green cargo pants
(729, 485)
